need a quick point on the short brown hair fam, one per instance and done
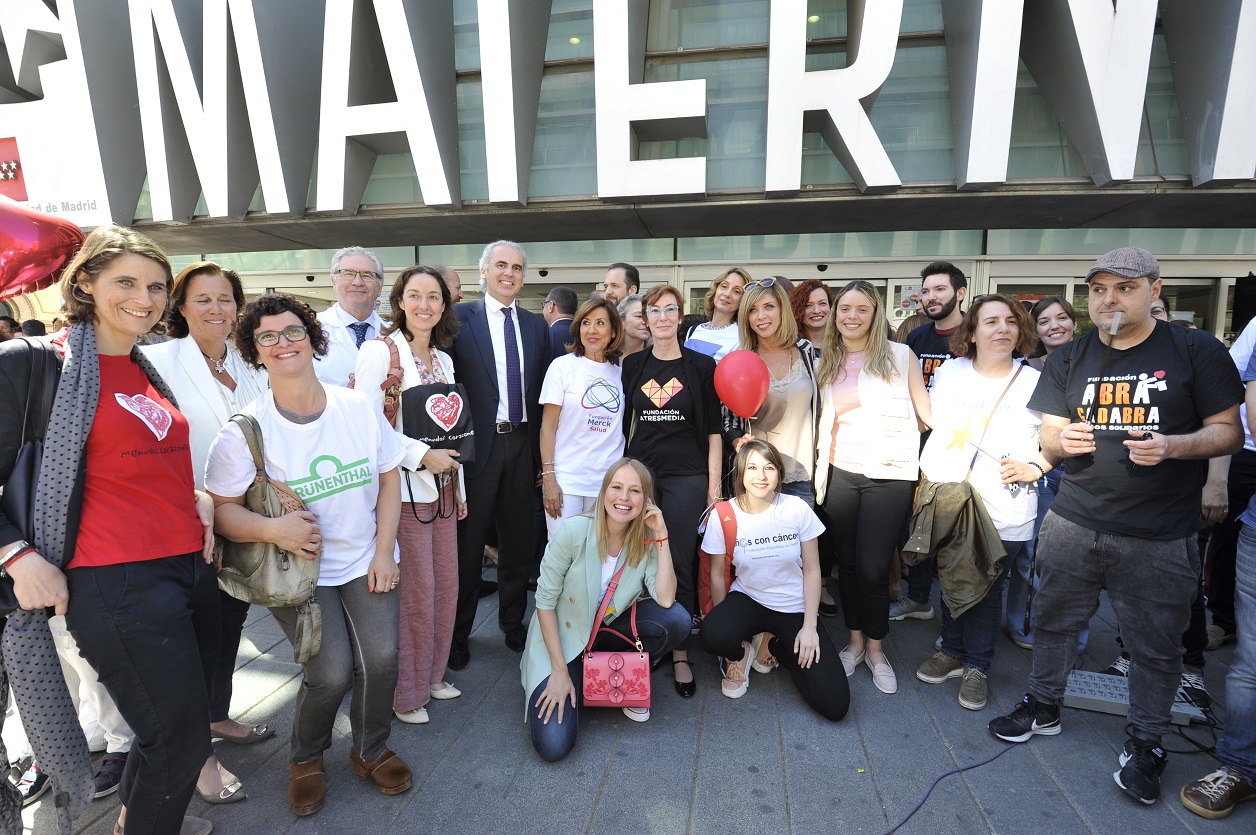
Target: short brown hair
(273, 304)
(446, 329)
(655, 293)
(1026, 334)
(102, 246)
(176, 323)
(585, 310)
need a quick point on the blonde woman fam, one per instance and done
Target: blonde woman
(873, 399)
(719, 335)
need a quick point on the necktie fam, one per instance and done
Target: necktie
(359, 333)
(514, 379)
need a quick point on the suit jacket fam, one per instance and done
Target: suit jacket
(476, 368)
(569, 584)
(183, 367)
(559, 335)
(373, 362)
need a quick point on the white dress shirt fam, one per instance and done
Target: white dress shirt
(342, 349)
(497, 331)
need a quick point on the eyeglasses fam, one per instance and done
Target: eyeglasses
(670, 311)
(365, 275)
(763, 282)
(292, 333)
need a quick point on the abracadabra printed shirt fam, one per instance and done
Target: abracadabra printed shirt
(1168, 384)
(332, 463)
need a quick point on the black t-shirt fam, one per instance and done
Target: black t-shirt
(1168, 383)
(665, 436)
(932, 347)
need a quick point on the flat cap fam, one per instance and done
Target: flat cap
(1128, 262)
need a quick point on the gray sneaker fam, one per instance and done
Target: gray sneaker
(939, 668)
(973, 690)
(908, 608)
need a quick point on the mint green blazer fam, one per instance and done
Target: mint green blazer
(570, 579)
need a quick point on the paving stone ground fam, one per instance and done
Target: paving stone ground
(760, 764)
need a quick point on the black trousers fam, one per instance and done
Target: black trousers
(499, 497)
(150, 630)
(738, 618)
(231, 625)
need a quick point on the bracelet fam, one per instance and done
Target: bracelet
(18, 547)
(548, 463)
(547, 472)
(4, 567)
(1041, 472)
(660, 541)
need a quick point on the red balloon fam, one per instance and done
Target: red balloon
(741, 381)
(33, 248)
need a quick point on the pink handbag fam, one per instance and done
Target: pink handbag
(618, 678)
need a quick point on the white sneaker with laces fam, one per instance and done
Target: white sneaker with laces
(637, 714)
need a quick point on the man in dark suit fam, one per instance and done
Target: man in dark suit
(560, 305)
(500, 357)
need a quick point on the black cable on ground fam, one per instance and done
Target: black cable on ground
(940, 778)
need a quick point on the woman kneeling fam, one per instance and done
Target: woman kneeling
(777, 589)
(614, 538)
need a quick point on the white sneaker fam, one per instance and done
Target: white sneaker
(637, 714)
(907, 608)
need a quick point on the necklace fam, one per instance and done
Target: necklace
(220, 366)
(296, 418)
(711, 327)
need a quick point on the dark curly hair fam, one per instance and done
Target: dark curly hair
(176, 323)
(273, 304)
(962, 344)
(446, 329)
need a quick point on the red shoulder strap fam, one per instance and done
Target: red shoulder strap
(728, 521)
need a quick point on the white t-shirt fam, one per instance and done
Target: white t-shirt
(962, 400)
(333, 464)
(714, 342)
(590, 433)
(768, 556)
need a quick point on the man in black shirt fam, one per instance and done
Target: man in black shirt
(942, 289)
(1134, 409)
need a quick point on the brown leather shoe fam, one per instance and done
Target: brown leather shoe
(306, 787)
(390, 774)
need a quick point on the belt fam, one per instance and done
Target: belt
(505, 427)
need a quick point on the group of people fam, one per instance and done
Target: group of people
(946, 450)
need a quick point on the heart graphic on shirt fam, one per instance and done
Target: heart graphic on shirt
(1159, 375)
(147, 410)
(445, 409)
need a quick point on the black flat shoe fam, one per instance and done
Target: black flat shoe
(459, 655)
(685, 689)
(827, 610)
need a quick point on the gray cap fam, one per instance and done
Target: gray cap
(1128, 262)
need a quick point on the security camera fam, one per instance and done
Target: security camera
(821, 267)
(543, 273)
(309, 278)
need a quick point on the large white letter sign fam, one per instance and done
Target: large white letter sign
(512, 57)
(1090, 60)
(982, 51)
(841, 97)
(417, 40)
(211, 150)
(629, 111)
(1212, 48)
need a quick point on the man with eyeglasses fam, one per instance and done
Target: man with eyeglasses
(500, 356)
(357, 276)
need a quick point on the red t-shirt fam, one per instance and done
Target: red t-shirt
(138, 498)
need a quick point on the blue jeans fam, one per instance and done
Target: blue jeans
(1151, 584)
(1237, 748)
(970, 637)
(805, 490)
(1018, 574)
(661, 630)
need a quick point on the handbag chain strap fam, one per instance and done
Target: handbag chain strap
(1006, 389)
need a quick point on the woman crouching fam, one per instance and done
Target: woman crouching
(311, 432)
(618, 536)
(777, 589)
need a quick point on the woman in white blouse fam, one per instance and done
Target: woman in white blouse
(423, 321)
(211, 382)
